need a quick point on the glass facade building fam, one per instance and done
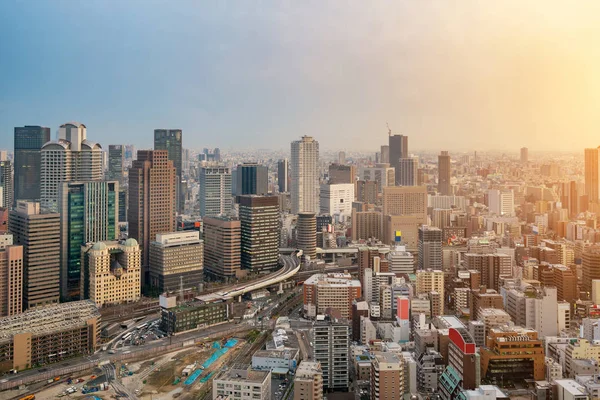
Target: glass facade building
(27, 161)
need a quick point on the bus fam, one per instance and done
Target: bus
(142, 326)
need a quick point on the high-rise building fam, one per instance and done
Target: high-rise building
(305, 175)
(215, 191)
(339, 173)
(331, 348)
(11, 276)
(176, 258)
(383, 174)
(283, 175)
(171, 141)
(430, 247)
(501, 202)
(387, 376)
(222, 247)
(308, 381)
(404, 210)
(322, 292)
(70, 158)
(111, 272)
(398, 148)
(89, 212)
(591, 174)
(385, 154)
(366, 225)
(252, 178)
(259, 220)
(151, 201)
(524, 155)
(336, 200)
(366, 192)
(6, 184)
(429, 281)
(28, 161)
(491, 267)
(116, 163)
(444, 173)
(407, 174)
(306, 235)
(590, 261)
(39, 234)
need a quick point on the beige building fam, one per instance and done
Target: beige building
(492, 318)
(11, 277)
(222, 247)
(336, 291)
(240, 382)
(432, 281)
(387, 376)
(175, 258)
(111, 272)
(366, 225)
(404, 209)
(308, 381)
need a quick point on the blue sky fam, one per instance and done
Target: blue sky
(466, 75)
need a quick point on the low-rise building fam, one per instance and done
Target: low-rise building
(241, 382)
(308, 381)
(279, 361)
(187, 316)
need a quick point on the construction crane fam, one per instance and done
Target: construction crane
(389, 130)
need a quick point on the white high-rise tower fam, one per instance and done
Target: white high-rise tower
(305, 175)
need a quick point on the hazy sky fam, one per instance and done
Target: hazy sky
(450, 74)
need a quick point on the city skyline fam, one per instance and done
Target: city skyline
(501, 79)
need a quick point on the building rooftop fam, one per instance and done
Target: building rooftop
(307, 369)
(243, 372)
(571, 386)
(386, 358)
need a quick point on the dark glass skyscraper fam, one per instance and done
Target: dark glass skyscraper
(252, 179)
(116, 162)
(27, 161)
(283, 173)
(171, 140)
(6, 184)
(398, 148)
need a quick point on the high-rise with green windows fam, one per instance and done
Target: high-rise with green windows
(89, 213)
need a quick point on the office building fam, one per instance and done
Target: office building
(123, 204)
(512, 353)
(283, 175)
(483, 298)
(176, 258)
(222, 247)
(306, 235)
(401, 261)
(491, 267)
(39, 234)
(241, 382)
(48, 335)
(524, 155)
(501, 202)
(590, 267)
(366, 225)
(430, 365)
(88, 214)
(385, 154)
(322, 292)
(367, 192)
(430, 247)
(387, 376)
(116, 163)
(404, 210)
(111, 272)
(308, 381)
(429, 281)
(398, 148)
(336, 200)
(183, 317)
(305, 175)
(331, 348)
(444, 173)
(592, 178)
(6, 184)
(341, 174)
(215, 191)
(171, 141)
(407, 174)
(259, 221)
(462, 356)
(252, 178)
(11, 276)
(151, 201)
(70, 158)
(383, 174)
(28, 161)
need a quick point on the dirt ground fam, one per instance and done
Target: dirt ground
(48, 392)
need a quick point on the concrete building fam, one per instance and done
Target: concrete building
(6, 184)
(330, 291)
(404, 210)
(215, 191)
(116, 163)
(398, 149)
(283, 175)
(490, 266)
(432, 281)
(89, 213)
(39, 234)
(259, 222)
(407, 175)
(484, 298)
(70, 158)
(501, 202)
(170, 140)
(252, 178)
(175, 258)
(336, 200)
(48, 335)
(430, 366)
(308, 381)
(492, 318)
(27, 160)
(590, 267)
(11, 276)
(444, 174)
(367, 192)
(366, 225)
(241, 382)
(383, 174)
(568, 389)
(430, 248)
(592, 177)
(279, 361)
(341, 174)
(524, 155)
(183, 317)
(305, 175)
(152, 205)
(306, 235)
(331, 349)
(222, 247)
(387, 376)
(401, 261)
(110, 272)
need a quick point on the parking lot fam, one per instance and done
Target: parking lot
(142, 333)
(279, 387)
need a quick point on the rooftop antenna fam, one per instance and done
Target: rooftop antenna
(389, 130)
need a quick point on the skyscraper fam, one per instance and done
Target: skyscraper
(331, 349)
(283, 175)
(404, 210)
(215, 191)
(591, 174)
(252, 178)
(340, 173)
(336, 200)
(171, 140)
(501, 202)
(306, 235)
(385, 154)
(6, 184)
(28, 161)
(407, 175)
(430, 248)
(39, 234)
(151, 200)
(305, 175)
(590, 266)
(259, 219)
(222, 246)
(89, 212)
(444, 172)
(524, 155)
(398, 148)
(70, 158)
(116, 163)
(11, 277)
(175, 258)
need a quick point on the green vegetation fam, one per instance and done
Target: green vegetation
(252, 335)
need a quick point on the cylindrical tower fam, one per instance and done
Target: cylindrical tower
(306, 236)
